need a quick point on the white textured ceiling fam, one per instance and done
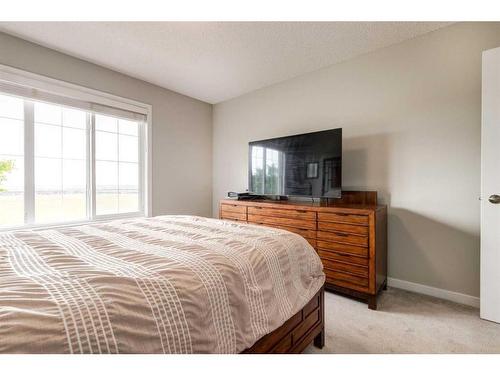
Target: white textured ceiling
(216, 61)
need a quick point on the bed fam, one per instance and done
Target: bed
(168, 284)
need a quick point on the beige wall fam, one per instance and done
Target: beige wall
(411, 118)
(182, 126)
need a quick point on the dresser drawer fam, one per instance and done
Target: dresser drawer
(347, 285)
(345, 267)
(330, 255)
(334, 276)
(343, 218)
(233, 216)
(343, 237)
(343, 228)
(233, 208)
(275, 212)
(295, 223)
(306, 233)
(342, 248)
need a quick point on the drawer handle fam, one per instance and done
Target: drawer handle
(342, 214)
(301, 211)
(341, 234)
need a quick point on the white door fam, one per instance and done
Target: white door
(490, 187)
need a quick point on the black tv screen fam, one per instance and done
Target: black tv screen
(304, 165)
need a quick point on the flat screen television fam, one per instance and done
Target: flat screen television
(304, 165)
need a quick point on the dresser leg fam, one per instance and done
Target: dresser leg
(385, 285)
(372, 302)
(319, 340)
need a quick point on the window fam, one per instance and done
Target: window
(62, 164)
(11, 161)
(117, 165)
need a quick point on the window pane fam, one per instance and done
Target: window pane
(12, 212)
(128, 201)
(11, 107)
(60, 190)
(11, 161)
(48, 175)
(74, 118)
(117, 185)
(106, 202)
(74, 176)
(74, 144)
(48, 141)
(128, 148)
(60, 164)
(129, 127)
(106, 123)
(11, 190)
(48, 113)
(74, 189)
(106, 146)
(11, 137)
(48, 190)
(128, 176)
(74, 206)
(48, 207)
(12, 175)
(106, 175)
(106, 187)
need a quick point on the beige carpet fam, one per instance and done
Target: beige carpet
(405, 323)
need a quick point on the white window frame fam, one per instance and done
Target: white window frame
(35, 81)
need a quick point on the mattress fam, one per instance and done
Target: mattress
(168, 284)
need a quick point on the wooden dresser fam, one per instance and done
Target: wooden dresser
(350, 236)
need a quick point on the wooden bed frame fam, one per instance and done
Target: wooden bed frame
(297, 332)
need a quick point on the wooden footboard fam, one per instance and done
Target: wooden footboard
(298, 331)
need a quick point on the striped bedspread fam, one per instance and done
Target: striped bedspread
(168, 284)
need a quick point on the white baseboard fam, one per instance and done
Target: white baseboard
(448, 295)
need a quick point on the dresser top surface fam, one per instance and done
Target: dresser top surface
(304, 205)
